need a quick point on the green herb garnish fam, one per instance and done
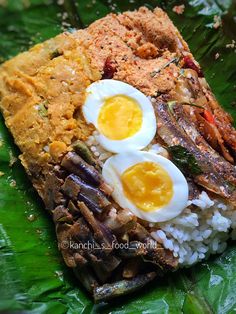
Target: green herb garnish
(181, 72)
(173, 102)
(173, 60)
(171, 105)
(184, 160)
(43, 108)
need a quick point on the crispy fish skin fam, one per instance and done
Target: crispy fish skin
(223, 167)
(218, 175)
(41, 94)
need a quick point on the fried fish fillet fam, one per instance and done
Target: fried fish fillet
(42, 92)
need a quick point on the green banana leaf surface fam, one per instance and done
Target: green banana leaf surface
(33, 277)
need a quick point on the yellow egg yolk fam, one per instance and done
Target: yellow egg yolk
(120, 117)
(147, 185)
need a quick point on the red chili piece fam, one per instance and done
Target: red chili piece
(109, 69)
(209, 116)
(188, 63)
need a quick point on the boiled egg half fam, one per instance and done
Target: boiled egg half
(147, 184)
(123, 116)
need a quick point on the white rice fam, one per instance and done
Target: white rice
(97, 149)
(202, 229)
(199, 231)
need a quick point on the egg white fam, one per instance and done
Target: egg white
(98, 92)
(117, 164)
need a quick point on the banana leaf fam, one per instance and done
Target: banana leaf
(33, 277)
